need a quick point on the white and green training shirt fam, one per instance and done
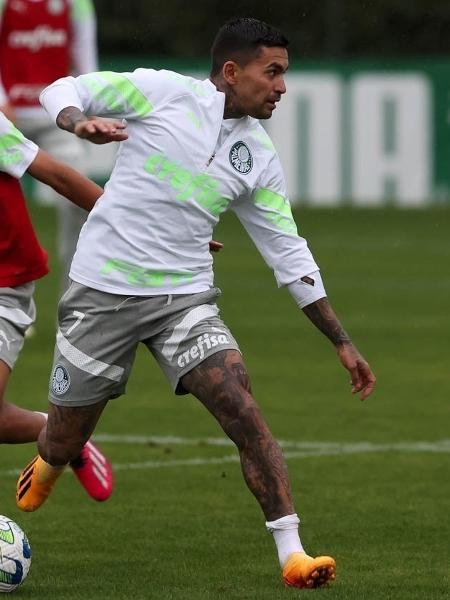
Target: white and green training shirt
(16, 151)
(182, 166)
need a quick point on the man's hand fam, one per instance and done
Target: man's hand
(325, 319)
(215, 246)
(362, 378)
(101, 131)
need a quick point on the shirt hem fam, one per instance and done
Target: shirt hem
(195, 288)
(13, 282)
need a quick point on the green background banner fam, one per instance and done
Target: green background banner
(357, 132)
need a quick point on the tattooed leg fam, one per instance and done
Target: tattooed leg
(67, 431)
(222, 384)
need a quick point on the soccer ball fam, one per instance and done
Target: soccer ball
(15, 555)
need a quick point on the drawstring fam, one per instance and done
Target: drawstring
(119, 306)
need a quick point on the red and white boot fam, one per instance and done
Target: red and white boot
(94, 472)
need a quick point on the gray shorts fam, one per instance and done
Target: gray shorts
(17, 313)
(99, 333)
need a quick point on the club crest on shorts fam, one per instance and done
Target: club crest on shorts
(241, 158)
(60, 380)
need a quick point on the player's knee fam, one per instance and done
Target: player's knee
(243, 422)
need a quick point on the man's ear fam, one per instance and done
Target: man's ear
(230, 71)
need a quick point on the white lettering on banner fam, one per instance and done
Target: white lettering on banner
(198, 350)
(391, 139)
(307, 133)
(41, 37)
(367, 140)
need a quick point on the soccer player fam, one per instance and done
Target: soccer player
(191, 150)
(22, 262)
(40, 41)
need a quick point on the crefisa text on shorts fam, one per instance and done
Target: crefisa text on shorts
(198, 350)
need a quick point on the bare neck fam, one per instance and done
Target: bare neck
(231, 109)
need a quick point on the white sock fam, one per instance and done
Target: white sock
(286, 536)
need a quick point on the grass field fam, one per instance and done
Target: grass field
(371, 479)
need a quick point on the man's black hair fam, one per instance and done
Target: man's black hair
(240, 40)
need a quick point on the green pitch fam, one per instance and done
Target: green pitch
(371, 480)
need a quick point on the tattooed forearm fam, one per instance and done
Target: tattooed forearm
(324, 318)
(69, 117)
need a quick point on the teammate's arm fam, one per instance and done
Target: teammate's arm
(66, 181)
(21, 154)
(8, 111)
(5, 106)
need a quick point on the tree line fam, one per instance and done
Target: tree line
(316, 28)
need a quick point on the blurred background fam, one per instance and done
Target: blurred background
(367, 115)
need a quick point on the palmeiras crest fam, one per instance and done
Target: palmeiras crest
(241, 158)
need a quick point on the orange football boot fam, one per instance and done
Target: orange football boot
(303, 571)
(35, 484)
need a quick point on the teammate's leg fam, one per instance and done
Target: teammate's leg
(17, 425)
(222, 384)
(60, 442)
(17, 312)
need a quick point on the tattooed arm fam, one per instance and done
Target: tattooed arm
(325, 319)
(95, 129)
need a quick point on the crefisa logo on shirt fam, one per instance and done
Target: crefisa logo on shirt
(60, 380)
(240, 158)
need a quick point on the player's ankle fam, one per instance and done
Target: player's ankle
(286, 536)
(47, 471)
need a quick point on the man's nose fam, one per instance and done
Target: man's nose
(280, 86)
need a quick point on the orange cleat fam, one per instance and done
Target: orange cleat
(35, 484)
(303, 571)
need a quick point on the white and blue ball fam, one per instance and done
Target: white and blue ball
(15, 555)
